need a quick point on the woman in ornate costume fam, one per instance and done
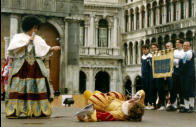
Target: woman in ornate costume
(112, 106)
(29, 91)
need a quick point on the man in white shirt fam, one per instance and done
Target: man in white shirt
(176, 88)
(188, 78)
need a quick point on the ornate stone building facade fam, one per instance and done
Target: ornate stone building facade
(101, 50)
(114, 31)
(160, 21)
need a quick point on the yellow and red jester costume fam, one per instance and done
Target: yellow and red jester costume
(110, 106)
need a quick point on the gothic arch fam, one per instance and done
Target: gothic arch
(57, 26)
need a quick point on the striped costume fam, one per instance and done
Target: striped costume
(111, 106)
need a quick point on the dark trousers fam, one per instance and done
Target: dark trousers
(146, 87)
(153, 91)
(161, 91)
(176, 87)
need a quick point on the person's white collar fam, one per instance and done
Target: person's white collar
(125, 106)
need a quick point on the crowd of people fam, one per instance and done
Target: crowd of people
(177, 91)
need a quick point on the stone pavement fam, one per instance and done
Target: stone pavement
(62, 117)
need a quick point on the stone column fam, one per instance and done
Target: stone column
(7, 40)
(152, 17)
(63, 64)
(113, 81)
(186, 3)
(92, 34)
(122, 21)
(115, 41)
(64, 58)
(146, 17)
(135, 20)
(134, 62)
(158, 16)
(109, 37)
(92, 30)
(96, 36)
(128, 54)
(129, 21)
(172, 12)
(86, 36)
(13, 25)
(139, 53)
(140, 19)
(91, 82)
(72, 69)
(179, 10)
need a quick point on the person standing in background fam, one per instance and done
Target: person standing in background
(3, 64)
(146, 77)
(176, 88)
(188, 78)
(7, 69)
(168, 82)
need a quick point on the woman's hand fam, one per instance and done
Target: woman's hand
(55, 48)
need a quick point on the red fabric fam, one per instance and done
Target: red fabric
(28, 96)
(29, 71)
(3, 78)
(105, 116)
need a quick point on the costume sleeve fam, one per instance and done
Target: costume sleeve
(178, 54)
(16, 44)
(41, 47)
(116, 95)
(99, 100)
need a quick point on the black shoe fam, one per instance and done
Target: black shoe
(183, 110)
(190, 110)
(171, 108)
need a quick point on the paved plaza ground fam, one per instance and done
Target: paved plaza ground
(63, 117)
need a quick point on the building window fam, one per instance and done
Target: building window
(82, 33)
(131, 52)
(132, 19)
(136, 53)
(149, 15)
(154, 13)
(125, 53)
(143, 17)
(190, 8)
(174, 5)
(103, 33)
(137, 19)
(182, 9)
(168, 11)
(161, 12)
(126, 21)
